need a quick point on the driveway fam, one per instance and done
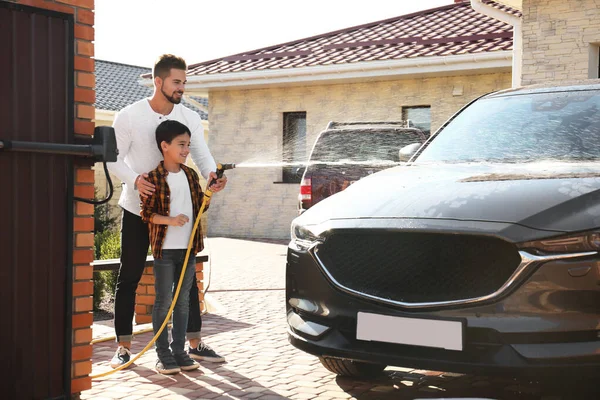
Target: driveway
(248, 327)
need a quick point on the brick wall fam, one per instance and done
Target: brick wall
(247, 125)
(83, 223)
(560, 38)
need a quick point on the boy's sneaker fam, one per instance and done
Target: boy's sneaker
(205, 353)
(121, 357)
(186, 363)
(168, 367)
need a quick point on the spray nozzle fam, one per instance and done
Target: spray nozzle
(224, 167)
(220, 169)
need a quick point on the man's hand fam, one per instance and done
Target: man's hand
(143, 186)
(219, 183)
(179, 220)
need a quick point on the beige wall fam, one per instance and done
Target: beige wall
(246, 126)
(560, 40)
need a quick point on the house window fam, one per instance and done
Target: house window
(419, 117)
(294, 146)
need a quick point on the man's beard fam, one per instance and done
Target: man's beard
(171, 98)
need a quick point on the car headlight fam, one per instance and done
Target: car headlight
(581, 242)
(302, 236)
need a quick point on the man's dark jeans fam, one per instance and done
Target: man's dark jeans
(134, 250)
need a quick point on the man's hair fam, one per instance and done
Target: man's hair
(169, 130)
(162, 67)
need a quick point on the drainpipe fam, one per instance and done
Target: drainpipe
(517, 60)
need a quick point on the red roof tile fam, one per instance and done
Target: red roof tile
(449, 30)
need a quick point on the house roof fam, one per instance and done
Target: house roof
(455, 29)
(118, 85)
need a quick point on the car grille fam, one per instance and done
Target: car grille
(418, 267)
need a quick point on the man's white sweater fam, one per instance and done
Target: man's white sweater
(135, 128)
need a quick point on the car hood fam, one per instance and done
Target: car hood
(553, 196)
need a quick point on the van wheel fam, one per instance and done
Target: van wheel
(351, 368)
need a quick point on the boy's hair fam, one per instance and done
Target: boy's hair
(162, 67)
(169, 130)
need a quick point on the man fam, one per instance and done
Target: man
(135, 128)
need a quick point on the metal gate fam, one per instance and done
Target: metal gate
(36, 190)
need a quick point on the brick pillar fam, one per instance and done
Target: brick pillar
(144, 299)
(83, 222)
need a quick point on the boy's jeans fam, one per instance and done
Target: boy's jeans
(167, 271)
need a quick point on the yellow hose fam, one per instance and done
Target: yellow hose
(207, 196)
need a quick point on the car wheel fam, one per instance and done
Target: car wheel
(351, 368)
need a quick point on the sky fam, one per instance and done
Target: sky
(137, 31)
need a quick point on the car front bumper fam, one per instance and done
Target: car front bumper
(538, 329)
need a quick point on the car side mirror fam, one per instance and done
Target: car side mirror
(408, 151)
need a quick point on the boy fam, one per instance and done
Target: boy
(170, 212)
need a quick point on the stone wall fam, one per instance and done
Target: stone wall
(560, 40)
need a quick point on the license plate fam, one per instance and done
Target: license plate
(443, 334)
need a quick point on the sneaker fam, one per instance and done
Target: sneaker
(168, 367)
(121, 357)
(205, 353)
(186, 363)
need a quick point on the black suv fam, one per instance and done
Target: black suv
(480, 255)
(348, 151)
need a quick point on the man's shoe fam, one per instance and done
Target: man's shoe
(121, 357)
(168, 367)
(205, 353)
(186, 363)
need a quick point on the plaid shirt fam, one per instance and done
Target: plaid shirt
(159, 203)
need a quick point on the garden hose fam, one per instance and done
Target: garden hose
(207, 195)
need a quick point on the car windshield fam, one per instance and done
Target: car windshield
(522, 128)
(362, 146)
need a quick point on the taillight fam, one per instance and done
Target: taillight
(305, 196)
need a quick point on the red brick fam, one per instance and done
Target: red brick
(144, 299)
(147, 279)
(151, 290)
(84, 272)
(199, 276)
(81, 384)
(83, 304)
(84, 127)
(141, 289)
(82, 352)
(83, 288)
(89, 4)
(83, 256)
(82, 336)
(84, 240)
(83, 224)
(85, 95)
(84, 191)
(82, 368)
(84, 64)
(86, 79)
(141, 309)
(84, 32)
(83, 320)
(85, 16)
(84, 209)
(85, 48)
(85, 111)
(143, 319)
(84, 176)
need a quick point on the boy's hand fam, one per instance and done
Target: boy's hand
(179, 220)
(219, 183)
